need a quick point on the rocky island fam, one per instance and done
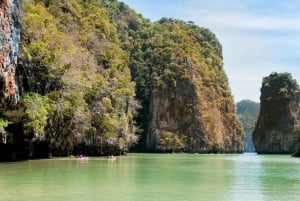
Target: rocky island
(279, 115)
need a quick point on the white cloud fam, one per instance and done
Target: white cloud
(253, 46)
(252, 22)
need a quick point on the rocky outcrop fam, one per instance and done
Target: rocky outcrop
(203, 125)
(184, 91)
(279, 115)
(9, 47)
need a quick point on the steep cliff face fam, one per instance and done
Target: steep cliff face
(192, 113)
(184, 90)
(9, 44)
(279, 115)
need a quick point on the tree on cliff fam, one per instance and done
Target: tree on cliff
(248, 111)
(297, 152)
(279, 114)
(171, 141)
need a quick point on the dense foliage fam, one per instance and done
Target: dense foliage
(171, 141)
(77, 91)
(297, 151)
(248, 112)
(277, 89)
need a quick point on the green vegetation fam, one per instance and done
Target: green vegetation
(171, 141)
(277, 92)
(77, 93)
(37, 110)
(278, 88)
(297, 152)
(248, 112)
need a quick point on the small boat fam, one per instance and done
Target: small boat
(81, 157)
(111, 158)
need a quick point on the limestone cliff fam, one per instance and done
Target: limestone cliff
(190, 112)
(279, 115)
(9, 39)
(184, 90)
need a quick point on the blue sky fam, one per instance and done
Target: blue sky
(258, 36)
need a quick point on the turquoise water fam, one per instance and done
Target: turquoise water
(153, 177)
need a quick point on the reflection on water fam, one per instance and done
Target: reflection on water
(256, 177)
(246, 176)
(153, 177)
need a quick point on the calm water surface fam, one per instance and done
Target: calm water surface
(153, 177)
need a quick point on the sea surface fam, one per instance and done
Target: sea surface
(154, 177)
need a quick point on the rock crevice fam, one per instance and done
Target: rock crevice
(9, 47)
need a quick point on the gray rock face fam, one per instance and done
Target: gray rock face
(9, 47)
(203, 126)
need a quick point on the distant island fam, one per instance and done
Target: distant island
(248, 111)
